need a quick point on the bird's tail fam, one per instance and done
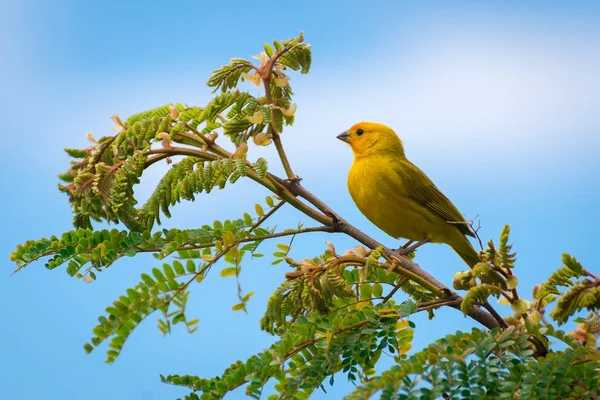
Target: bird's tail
(466, 251)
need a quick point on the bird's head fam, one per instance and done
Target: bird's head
(371, 137)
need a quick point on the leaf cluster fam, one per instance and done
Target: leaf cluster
(583, 290)
(494, 364)
(310, 350)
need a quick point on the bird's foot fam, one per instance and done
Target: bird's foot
(293, 181)
(409, 247)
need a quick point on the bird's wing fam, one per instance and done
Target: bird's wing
(422, 190)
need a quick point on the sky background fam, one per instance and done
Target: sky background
(496, 101)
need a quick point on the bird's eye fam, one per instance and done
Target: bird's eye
(360, 132)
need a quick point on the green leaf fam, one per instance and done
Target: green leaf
(283, 247)
(259, 210)
(366, 291)
(148, 280)
(158, 274)
(169, 272)
(269, 50)
(229, 271)
(248, 296)
(377, 290)
(269, 201)
(178, 266)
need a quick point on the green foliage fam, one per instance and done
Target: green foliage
(494, 272)
(228, 76)
(313, 348)
(101, 179)
(295, 54)
(495, 364)
(416, 291)
(501, 257)
(314, 289)
(86, 252)
(83, 247)
(583, 290)
(161, 291)
(191, 176)
(491, 277)
(478, 295)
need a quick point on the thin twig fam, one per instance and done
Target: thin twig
(247, 239)
(495, 314)
(267, 215)
(275, 134)
(428, 305)
(392, 292)
(476, 230)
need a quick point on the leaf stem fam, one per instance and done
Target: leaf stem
(290, 232)
(276, 137)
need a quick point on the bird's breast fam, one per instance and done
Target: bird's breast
(380, 193)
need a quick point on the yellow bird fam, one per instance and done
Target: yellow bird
(397, 196)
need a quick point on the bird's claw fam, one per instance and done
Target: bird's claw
(293, 181)
(409, 247)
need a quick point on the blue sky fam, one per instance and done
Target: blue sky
(497, 102)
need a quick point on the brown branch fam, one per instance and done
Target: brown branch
(403, 264)
(282, 191)
(392, 292)
(183, 151)
(495, 314)
(202, 140)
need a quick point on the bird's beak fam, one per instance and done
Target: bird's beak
(344, 136)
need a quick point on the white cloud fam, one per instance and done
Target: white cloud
(459, 99)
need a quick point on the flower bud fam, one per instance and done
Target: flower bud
(282, 81)
(262, 139)
(174, 111)
(119, 126)
(288, 112)
(263, 57)
(166, 140)
(256, 118)
(252, 78)
(520, 306)
(331, 247)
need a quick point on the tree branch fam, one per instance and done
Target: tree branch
(267, 215)
(290, 232)
(404, 264)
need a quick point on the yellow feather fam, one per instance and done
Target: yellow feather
(397, 196)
